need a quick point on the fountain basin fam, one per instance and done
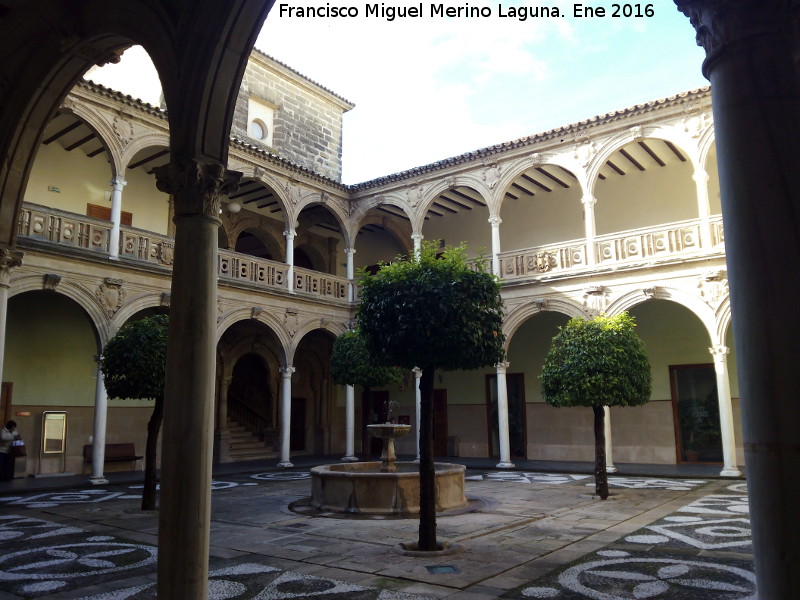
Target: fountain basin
(363, 488)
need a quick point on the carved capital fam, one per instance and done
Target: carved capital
(8, 260)
(287, 371)
(495, 221)
(196, 186)
(720, 353)
(722, 23)
(417, 372)
(502, 367)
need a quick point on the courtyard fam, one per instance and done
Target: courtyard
(525, 534)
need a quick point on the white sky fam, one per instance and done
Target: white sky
(429, 88)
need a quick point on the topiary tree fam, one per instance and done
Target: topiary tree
(432, 312)
(352, 364)
(133, 367)
(600, 362)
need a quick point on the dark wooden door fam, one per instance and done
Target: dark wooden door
(297, 430)
(5, 401)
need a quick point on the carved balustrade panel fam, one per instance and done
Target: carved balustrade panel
(39, 222)
(643, 244)
(243, 267)
(143, 245)
(320, 284)
(717, 233)
(544, 259)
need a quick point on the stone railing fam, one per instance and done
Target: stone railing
(242, 267)
(320, 284)
(70, 229)
(647, 244)
(61, 227)
(544, 259)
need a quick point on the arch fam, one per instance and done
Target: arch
(695, 305)
(516, 168)
(141, 142)
(306, 253)
(273, 323)
(616, 142)
(136, 305)
(519, 315)
(307, 199)
(315, 324)
(427, 197)
(724, 320)
(75, 292)
(257, 173)
(100, 126)
(267, 242)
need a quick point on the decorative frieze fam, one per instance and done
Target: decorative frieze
(9, 259)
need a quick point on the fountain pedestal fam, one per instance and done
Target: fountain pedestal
(388, 432)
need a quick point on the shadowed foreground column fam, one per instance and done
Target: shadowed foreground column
(751, 48)
(185, 501)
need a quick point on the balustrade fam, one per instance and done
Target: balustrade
(40, 222)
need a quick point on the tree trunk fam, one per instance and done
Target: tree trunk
(427, 479)
(151, 450)
(600, 474)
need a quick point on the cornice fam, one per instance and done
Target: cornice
(573, 131)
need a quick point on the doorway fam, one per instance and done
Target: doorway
(517, 428)
(696, 413)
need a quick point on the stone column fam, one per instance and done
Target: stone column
(502, 418)
(730, 468)
(222, 436)
(590, 229)
(610, 468)
(286, 415)
(495, 223)
(290, 234)
(8, 260)
(99, 428)
(185, 499)
(350, 273)
(350, 424)
(752, 49)
(417, 239)
(116, 215)
(417, 404)
(700, 177)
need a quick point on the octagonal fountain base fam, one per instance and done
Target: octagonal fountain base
(361, 488)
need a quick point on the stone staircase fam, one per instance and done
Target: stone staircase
(245, 445)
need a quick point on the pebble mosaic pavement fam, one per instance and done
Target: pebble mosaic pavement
(533, 535)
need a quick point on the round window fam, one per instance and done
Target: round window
(258, 130)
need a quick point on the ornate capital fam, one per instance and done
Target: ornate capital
(722, 23)
(589, 201)
(118, 183)
(289, 233)
(196, 186)
(350, 251)
(8, 260)
(495, 221)
(502, 367)
(720, 353)
(417, 372)
(287, 371)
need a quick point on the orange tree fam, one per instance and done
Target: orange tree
(598, 362)
(352, 364)
(433, 311)
(133, 367)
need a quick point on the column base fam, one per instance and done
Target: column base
(98, 480)
(730, 472)
(505, 465)
(350, 458)
(285, 465)
(611, 469)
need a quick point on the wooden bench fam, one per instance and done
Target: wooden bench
(114, 453)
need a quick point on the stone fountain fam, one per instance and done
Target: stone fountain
(387, 487)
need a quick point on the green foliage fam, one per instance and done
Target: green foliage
(352, 363)
(134, 360)
(601, 362)
(432, 312)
